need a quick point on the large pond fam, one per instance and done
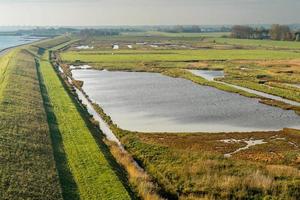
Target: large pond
(151, 102)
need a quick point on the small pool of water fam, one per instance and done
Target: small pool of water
(151, 102)
(249, 143)
(208, 74)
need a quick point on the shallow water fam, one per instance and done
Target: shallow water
(208, 74)
(249, 143)
(72, 67)
(102, 124)
(211, 74)
(151, 102)
(84, 47)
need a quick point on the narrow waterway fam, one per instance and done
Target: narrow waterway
(102, 124)
(212, 74)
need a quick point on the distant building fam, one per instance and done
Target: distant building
(115, 47)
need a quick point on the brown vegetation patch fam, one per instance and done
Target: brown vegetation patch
(279, 146)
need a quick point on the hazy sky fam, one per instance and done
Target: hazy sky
(147, 12)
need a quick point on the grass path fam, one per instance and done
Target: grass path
(4, 63)
(92, 171)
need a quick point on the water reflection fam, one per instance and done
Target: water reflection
(152, 102)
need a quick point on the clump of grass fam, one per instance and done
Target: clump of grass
(283, 171)
(77, 83)
(144, 185)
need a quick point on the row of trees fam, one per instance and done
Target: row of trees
(180, 29)
(191, 29)
(276, 32)
(99, 32)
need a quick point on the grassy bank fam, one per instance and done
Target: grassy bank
(93, 173)
(27, 167)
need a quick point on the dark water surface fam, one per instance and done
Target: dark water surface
(152, 102)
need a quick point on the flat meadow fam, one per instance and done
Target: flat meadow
(195, 165)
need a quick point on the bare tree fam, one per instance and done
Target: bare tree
(242, 32)
(280, 32)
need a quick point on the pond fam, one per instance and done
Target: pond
(151, 102)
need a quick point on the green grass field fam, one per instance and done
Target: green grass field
(93, 174)
(165, 34)
(27, 166)
(173, 55)
(257, 43)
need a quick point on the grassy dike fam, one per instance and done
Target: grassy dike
(27, 166)
(93, 173)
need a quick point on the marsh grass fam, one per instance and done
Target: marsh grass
(200, 173)
(144, 185)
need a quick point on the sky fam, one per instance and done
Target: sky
(147, 12)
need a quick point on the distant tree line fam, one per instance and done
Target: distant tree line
(99, 32)
(46, 32)
(180, 29)
(191, 29)
(276, 32)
